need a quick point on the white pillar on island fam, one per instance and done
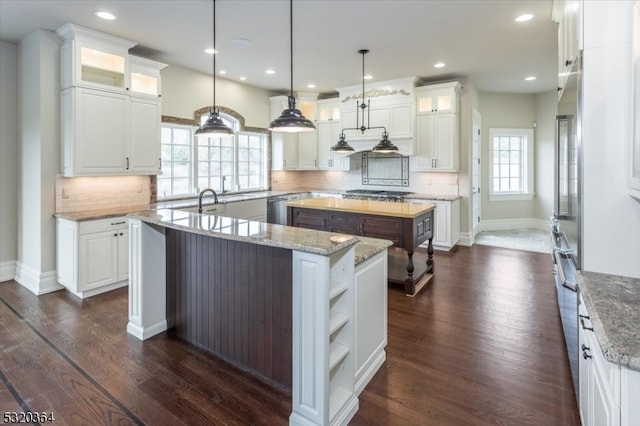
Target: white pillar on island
(147, 280)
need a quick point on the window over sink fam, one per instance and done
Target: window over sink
(228, 164)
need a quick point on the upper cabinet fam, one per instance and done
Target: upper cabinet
(568, 15)
(93, 59)
(295, 151)
(437, 98)
(391, 105)
(437, 123)
(110, 106)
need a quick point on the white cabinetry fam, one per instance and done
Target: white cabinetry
(446, 230)
(294, 151)
(370, 318)
(391, 106)
(247, 209)
(437, 123)
(110, 106)
(92, 256)
(323, 339)
(568, 15)
(609, 392)
(329, 127)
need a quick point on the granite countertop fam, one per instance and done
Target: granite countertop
(208, 200)
(380, 208)
(613, 303)
(300, 239)
(367, 247)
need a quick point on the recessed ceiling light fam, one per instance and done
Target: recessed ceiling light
(210, 51)
(311, 86)
(270, 71)
(368, 77)
(242, 41)
(243, 78)
(222, 72)
(530, 78)
(439, 65)
(105, 15)
(524, 18)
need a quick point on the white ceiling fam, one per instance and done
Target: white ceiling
(478, 39)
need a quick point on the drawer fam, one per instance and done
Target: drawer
(101, 225)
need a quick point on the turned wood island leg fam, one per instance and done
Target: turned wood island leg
(430, 267)
(409, 284)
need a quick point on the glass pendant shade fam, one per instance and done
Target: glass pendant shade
(342, 145)
(214, 127)
(385, 145)
(291, 120)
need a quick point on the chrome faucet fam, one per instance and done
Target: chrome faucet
(215, 198)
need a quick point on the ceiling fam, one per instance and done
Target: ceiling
(478, 39)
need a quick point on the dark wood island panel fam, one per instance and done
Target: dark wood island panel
(234, 308)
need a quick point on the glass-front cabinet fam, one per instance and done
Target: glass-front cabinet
(93, 59)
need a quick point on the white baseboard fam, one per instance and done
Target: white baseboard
(465, 239)
(143, 333)
(368, 371)
(508, 224)
(7, 270)
(36, 282)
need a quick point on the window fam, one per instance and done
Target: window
(177, 159)
(511, 170)
(229, 164)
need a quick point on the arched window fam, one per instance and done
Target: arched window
(235, 163)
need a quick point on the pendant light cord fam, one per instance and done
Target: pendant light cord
(291, 45)
(213, 107)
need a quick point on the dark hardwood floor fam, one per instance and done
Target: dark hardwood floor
(480, 344)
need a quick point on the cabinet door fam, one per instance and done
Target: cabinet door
(123, 255)
(426, 146)
(343, 223)
(446, 141)
(305, 218)
(100, 122)
(308, 150)
(386, 228)
(328, 135)
(143, 155)
(97, 259)
(442, 229)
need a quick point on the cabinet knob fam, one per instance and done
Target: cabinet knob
(115, 235)
(121, 234)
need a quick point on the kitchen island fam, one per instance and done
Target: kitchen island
(406, 225)
(283, 304)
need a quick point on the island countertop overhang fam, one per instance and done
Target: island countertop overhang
(299, 239)
(380, 208)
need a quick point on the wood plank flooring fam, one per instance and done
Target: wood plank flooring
(481, 344)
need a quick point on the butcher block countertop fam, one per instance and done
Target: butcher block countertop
(380, 208)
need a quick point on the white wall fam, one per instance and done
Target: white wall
(39, 159)
(546, 109)
(501, 110)
(611, 240)
(185, 91)
(8, 160)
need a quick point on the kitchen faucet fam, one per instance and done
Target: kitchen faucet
(215, 198)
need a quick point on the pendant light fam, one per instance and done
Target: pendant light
(291, 120)
(385, 145)
(214, 126)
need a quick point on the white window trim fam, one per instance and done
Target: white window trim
(528, 192)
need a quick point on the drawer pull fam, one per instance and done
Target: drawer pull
(584, 327)
(118, 223)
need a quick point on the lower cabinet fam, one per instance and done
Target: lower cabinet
(446, 233)
(255, 209)
(609, 392)
(92, 255)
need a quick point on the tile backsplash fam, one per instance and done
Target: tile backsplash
(96, 193)
(421, 182)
